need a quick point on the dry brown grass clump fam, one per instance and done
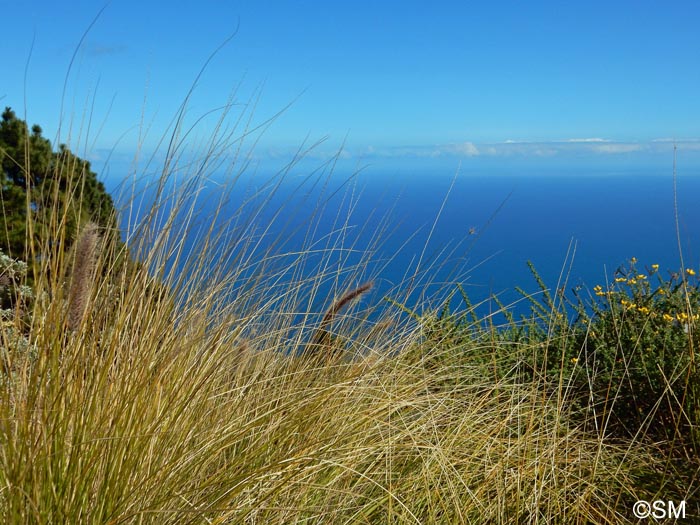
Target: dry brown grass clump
(182, 396)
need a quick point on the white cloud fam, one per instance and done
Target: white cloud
(617, 148)
(677, 141)
(567, 148)
(557, 141)
(460, 149)
(594, 139)
(467, 149)
(666, 144)
(689, 145)
(545, 152)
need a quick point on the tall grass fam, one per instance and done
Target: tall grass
(170, 381)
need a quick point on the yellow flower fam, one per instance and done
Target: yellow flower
(662, 291)
(690, 271)
(632, 281)
(655, 267)
(668, 318)
(574, 360)
(641, 276)
(633, 260)
(644, 309)
(620, 279)
(629, 305)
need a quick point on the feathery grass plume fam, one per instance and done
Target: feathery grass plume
(82, 274)
(322, 337)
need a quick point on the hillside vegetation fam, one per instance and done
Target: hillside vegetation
(180, 388)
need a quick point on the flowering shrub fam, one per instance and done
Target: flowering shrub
(637, 352)
(622, 354)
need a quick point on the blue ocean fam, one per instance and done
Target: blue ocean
(424, 232)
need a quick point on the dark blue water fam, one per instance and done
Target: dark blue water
(575, 227)
(426, 231)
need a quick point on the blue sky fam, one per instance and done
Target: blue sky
(546, 83)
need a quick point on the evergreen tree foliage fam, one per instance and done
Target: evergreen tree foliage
(34, 178)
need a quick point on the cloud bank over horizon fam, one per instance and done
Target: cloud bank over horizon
(587, 149)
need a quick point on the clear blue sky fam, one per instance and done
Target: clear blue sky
(403, 80)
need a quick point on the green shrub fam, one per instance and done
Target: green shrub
(623, 355)
(637, 353)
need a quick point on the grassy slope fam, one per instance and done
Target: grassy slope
(237, 404)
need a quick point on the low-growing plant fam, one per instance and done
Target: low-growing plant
(626, 352)
(637, 353)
